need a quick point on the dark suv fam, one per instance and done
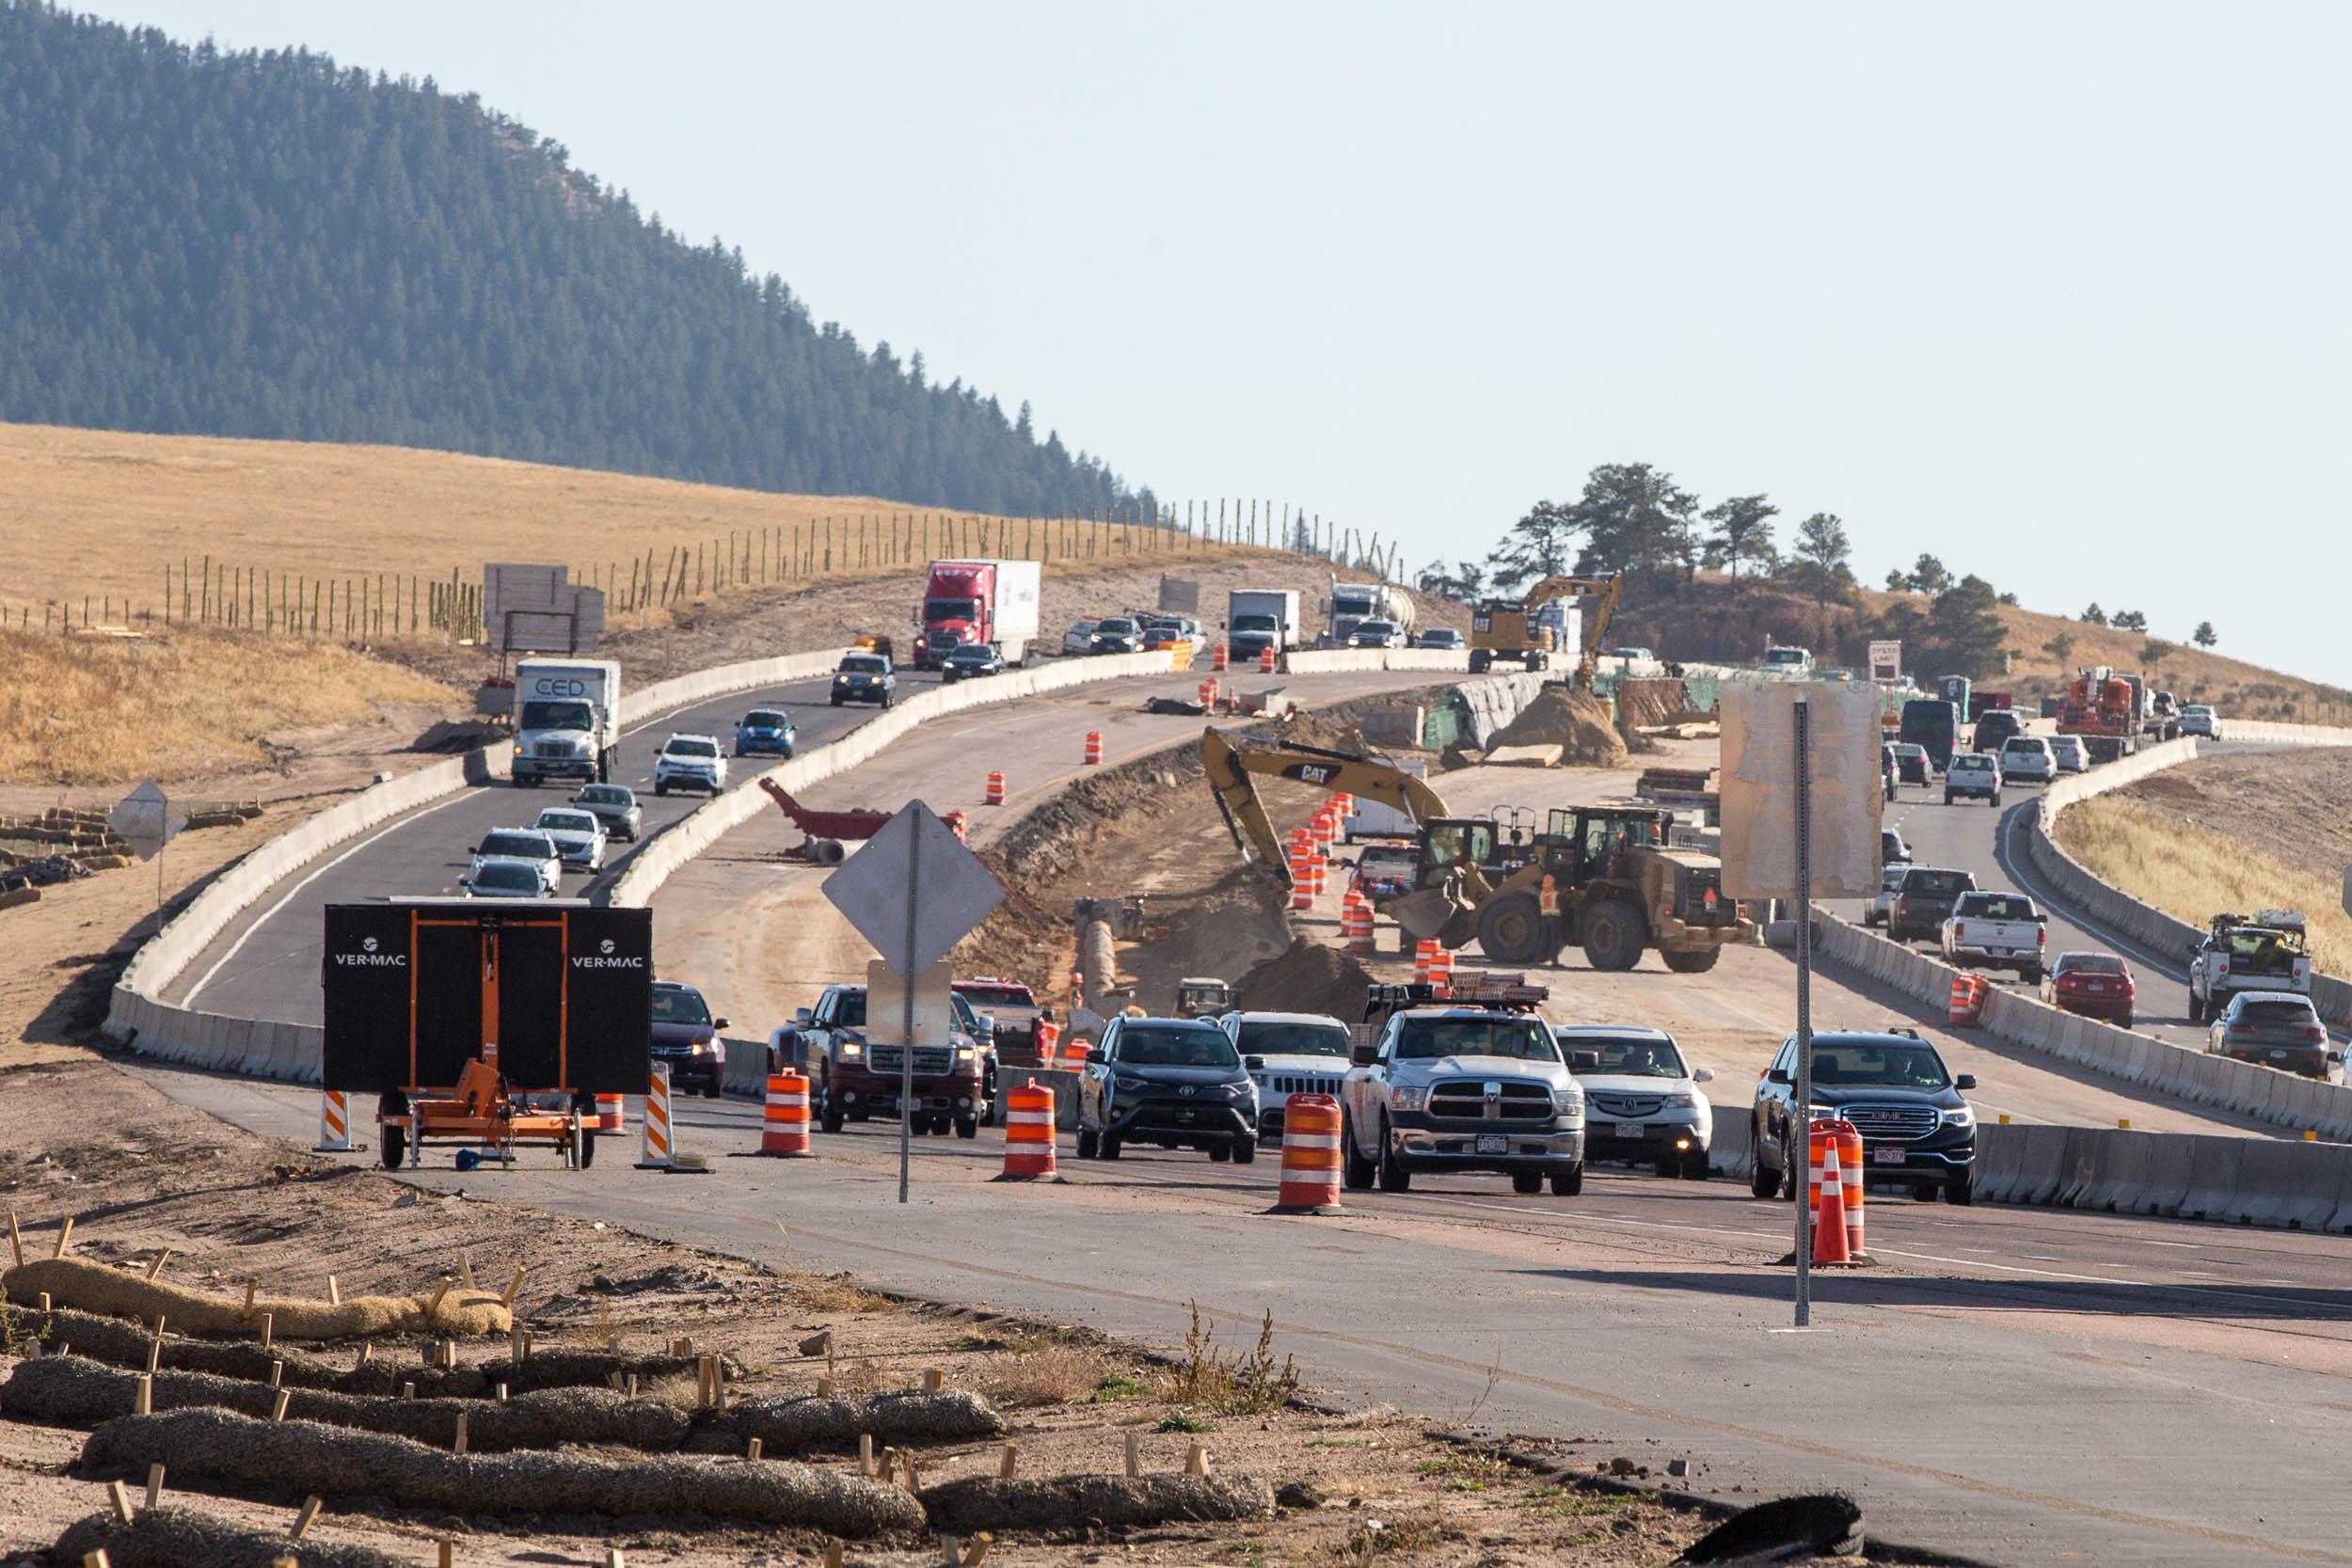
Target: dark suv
(1179, 1083)
(1924, 900)
(1917, 1130)
(686, 1038)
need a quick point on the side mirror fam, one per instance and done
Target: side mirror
(1255, 1064)
(1966, 1081)
(718, 1023)
(802, 1015)
(1095, 1056)
(464, 881)
(1703, 1075)
(1583, 1061)
(1363, 1055)
(1778, 1075)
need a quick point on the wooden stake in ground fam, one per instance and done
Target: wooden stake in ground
(934, 1380)
(121, 1496)
(408, 1391)
(143, 1401)
(310, 1507)
(16, 1239)
(1135, 1456)
(250, 1286)
(866, 1453)
(512, 1286)
(448, 1554)
(334, 1292)
(1197, 1458)
(154, 1351)
(278, 1405)
(1010, 1463)
(514, 1344)
(824, 1386)
(269, 1328)
(612, 1558)
(65, 1236)
(975, 1549)
(465, 1271)
(752, 1448)
(157, 1266)
(367, 1352)
(459, 1447)
(95, 1558)
(154, 1485)
(501, 1393)
(833, 1555)
(277, 1373)
(433, 1306)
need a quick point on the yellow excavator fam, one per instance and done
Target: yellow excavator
(1623, 888)
(1505, 629)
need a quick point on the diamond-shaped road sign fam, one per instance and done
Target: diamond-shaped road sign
(145, 820)
(915, 890)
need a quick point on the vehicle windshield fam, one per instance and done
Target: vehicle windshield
(1294, 1037)
(1632, 1055)
(559, 716)
(1254, 623)
(2024, 743)
(849, 1009)
(997, 996)
(568, 821)
(1084, 625)
(1904, 749)
(1378, 628)
(1969, 762)
(680, 1007)
(951, 610)
(760, 719)
(1167, 1045)
(864, 664)
(1892, 875)
(1526, 1039)
(2252, 948)
(2199, 709)
(2089, 963)
(1939, 884)
(605, 795)
(1885, 1064)
(529, 846)
(1118, 626)
(1784, 655)
(1345, 603)
(979, 653)
(1995, 906)
(507, 877)
(2282, 1012)
(693, 748)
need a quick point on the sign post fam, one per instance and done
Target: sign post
(913, 891)
(144, 819)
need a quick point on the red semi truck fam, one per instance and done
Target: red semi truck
(967, 602)
(2100, 706)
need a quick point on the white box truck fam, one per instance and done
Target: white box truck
(1257, 619)
(1352, 603)
(567, 719)
(965, 602)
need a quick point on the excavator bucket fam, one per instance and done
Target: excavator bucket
(1423, 914)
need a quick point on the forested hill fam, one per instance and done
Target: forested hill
(265, 245)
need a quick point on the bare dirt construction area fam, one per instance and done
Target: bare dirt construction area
(2237, 833)
(154, 1188)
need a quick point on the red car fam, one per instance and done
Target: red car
(2096, 985)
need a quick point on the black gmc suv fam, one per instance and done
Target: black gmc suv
(1917, 1130)
(1179, 1083)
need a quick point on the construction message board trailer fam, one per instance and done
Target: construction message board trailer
(471, 1006)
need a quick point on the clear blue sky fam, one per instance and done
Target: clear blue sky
(2058, 291)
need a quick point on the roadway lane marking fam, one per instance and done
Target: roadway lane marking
(271, 913)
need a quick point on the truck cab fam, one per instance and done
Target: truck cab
(850, 1081)
(1475, 1082)
(2241, 953)
(566, 720)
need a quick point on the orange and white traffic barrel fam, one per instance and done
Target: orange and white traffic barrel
(655, 1152)
(1266, 660)
(1048, 1040)
(1834, 1166)
(1094, 747)
(1425, 959)
(959, 824)
(1850, 1172)
(1356, 923)
(334, 1123)
(1029, 1133)
(612, 1114)
(995, 793)
(783, 1122)
(1218, 657)
(1441, 970)
(1310, 1156)
(1968, 993)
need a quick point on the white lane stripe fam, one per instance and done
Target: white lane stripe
(271, 913)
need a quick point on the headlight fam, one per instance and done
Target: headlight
(700, 1048)
(519, 748)
(1408, 1100)
(965, 1053)
(1567, 1100)
(1678, 1102)
(852, 1050)
(1963, 1117)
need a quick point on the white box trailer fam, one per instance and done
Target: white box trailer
(567, 719)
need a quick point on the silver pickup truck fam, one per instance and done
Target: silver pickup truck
(1996, 930)
(1475, 1082)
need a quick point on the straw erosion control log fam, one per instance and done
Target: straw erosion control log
(167, 1537)
(197, 1446)
(96, 1288)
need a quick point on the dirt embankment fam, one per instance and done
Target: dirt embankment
(1580, 725)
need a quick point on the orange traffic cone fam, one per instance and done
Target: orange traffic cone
(1829, 1211)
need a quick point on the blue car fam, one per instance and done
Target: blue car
(765, 730)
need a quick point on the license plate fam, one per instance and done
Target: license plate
(1184, 1113)
(1887, 1156)
(2278, 1055)
(2096, 985)
(1493, 1143)
(1634, 1130)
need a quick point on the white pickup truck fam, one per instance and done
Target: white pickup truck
(2265, 951)
(1996, 930)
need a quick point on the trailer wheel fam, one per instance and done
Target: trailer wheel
(1614, 935)
(395, 1145)
(1698, 960)
(587, 1146)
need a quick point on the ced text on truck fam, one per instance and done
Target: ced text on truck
(567, 719)
(1257, 619)
(969, 602)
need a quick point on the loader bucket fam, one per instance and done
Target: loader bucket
(1423, 914)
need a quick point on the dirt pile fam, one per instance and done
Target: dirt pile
(1582, 725)
(1651, 702)
(1308, 978)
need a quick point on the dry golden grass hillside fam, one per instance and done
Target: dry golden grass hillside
(103, 515)
(80, 710)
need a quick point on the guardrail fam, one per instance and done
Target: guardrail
(2109, 905)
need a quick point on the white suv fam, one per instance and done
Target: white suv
(2028, 759)
(1302, 1052)
(689, 762)
(1641, 1100)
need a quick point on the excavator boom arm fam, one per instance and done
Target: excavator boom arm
(1233, 772)
(1602, 592)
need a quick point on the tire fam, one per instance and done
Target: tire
(1698, 962)
(659, 788)
(1694, 1164)
(1395, 1177)
(395, 1141)
(1089, 1144)
(587, 1146)
(829, 1115)
(1527, 1182)
(1511, 930)
(887, 699)
(2127, 1021)
(710, 1090)
(1106, 1147)
(1568, 1182)
(837, 702)
(2030, 976)
(1355, 1170)
(1481, 662)
(1947, 797)
(1761, 1182)
(967, 1126)
(1220, 1153)
(1245, 1150)
(1669, 1165)
(1614, 935)
(1961, 1191)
